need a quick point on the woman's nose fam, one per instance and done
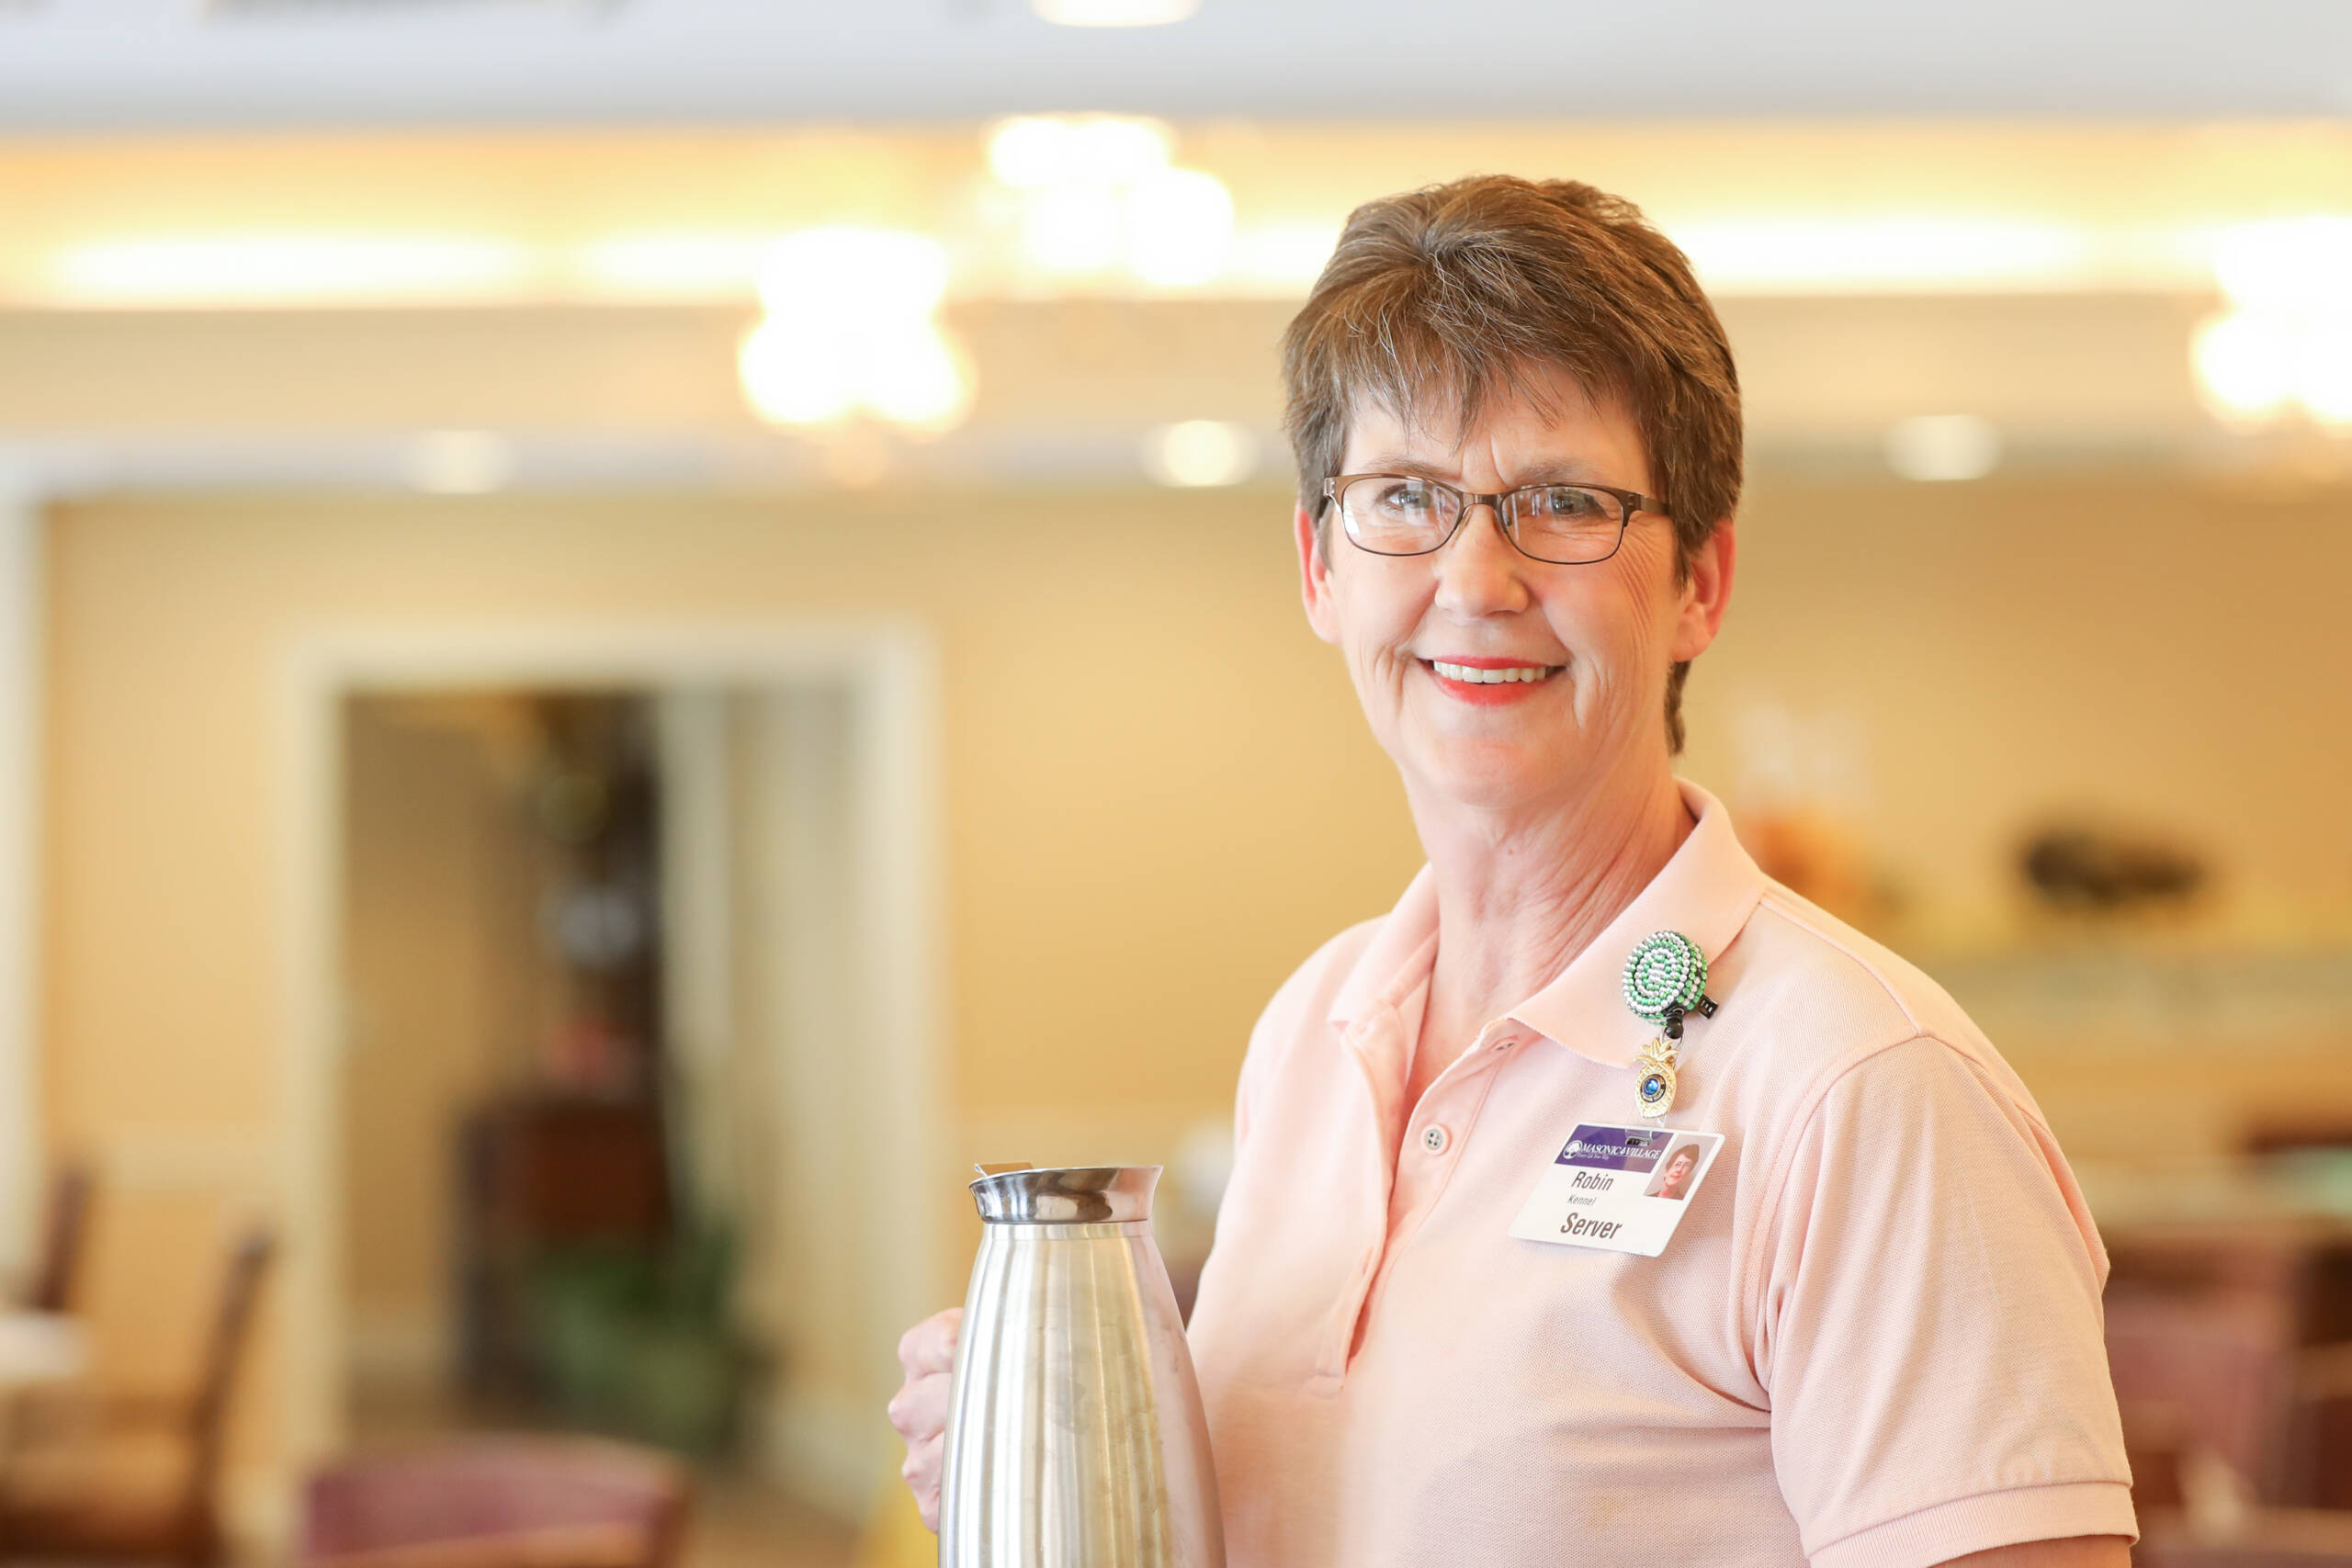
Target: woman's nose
(1478, 570)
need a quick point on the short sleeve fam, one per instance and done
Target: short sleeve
(1929, 1328)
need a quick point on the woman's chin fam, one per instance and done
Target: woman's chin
(1495, 778)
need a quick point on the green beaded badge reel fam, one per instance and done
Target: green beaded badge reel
(1666, 978)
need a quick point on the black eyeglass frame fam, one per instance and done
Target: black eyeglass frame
(1630, 503)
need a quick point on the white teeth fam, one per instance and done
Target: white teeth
(1490, 677)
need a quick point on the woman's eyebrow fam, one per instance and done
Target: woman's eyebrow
(1560, 470)
(1565, 470)
(1391, 464)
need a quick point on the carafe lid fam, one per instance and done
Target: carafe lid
(1065, 1195)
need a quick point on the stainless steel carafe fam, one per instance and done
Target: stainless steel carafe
(1074, 1433)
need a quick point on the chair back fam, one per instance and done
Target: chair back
(503, 1501)
(63, 1228)
(2213, 1372)
(232, 1317)
(2319, 1447)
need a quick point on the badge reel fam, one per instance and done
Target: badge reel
(1665, 981)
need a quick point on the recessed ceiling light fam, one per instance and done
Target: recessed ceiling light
(1943, 447)
(1199, 452)
(460, 462)
(1114, 12)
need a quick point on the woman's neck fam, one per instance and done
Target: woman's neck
(1520, 895)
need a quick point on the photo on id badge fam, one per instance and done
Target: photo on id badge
(1620, 1188)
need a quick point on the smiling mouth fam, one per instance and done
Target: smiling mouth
(1475, 675)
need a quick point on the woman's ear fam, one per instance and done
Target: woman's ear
(1314, 576)
(1707, 592)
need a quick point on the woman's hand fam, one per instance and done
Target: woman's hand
(919, 1410)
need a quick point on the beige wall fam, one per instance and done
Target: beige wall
(2167, 647)
(1158, 795)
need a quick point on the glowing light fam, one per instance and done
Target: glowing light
(1200, 452)
(1943, 448)
(1096, 195)
(2324, 383)
(794, 376)
(2244, 364)
(1287, 258)
(841, 270)
(851, 326)
(282, 269)
(1029, 151)
(916, 378)
(2286, 346)
(682, 265)
(2287, 263)
(460, 462)
(1886, 255)
(1114, 12)
(1072, 230)
(1179, 228)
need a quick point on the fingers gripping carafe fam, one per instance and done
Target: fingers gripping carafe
(1074, 1433)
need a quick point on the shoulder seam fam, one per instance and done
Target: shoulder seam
(1776, 898)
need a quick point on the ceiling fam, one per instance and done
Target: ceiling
(141, 64)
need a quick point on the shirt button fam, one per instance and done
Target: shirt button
(1434, 1138)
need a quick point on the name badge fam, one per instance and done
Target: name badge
(1620, 1188)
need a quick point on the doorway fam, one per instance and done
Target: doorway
(623, 1121)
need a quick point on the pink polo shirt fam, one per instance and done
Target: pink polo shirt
(1874, 1342)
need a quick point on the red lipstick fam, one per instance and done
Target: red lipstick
(1488, 693)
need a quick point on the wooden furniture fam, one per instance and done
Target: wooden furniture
(137, 1482)
(2234, 1337)
(2200, 1377)
(66, 1224)
(2317, 1469)
(536, 1174)
(510, 1502)
(2268, 1537)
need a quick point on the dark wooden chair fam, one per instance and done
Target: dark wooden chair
(2200, 1379)
(64, 1227)
(2318, 1469)
(2268, 1537)
(499, 1502)
(136, 1480)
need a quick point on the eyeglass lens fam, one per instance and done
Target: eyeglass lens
(1568, 524)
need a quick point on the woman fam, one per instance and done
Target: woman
(1674, 1181)
(1871, 1335)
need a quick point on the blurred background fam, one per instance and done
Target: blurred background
(631, 630)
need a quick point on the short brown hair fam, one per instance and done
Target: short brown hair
(1434, 295)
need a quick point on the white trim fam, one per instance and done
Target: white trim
(887, 667)
(21, 630)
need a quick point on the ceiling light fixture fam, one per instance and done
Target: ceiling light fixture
(1029, 151)
(2284, 346)
(460, 462)
(1200, 452)
(1943, 448)
(1097, 196)
(852, 327)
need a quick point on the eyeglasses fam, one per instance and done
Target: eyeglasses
(1395, 515)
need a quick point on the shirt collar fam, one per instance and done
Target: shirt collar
(1706, 892)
